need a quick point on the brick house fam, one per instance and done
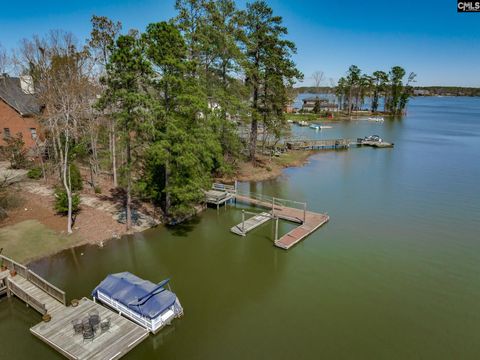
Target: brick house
(18, 109)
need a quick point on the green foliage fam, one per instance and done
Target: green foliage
(35, 173)
(61, 202)
(270, 70)
(98, 190)
(8, 199)
(75, 178)
(14, 151)
(352, 90)
(177, 98)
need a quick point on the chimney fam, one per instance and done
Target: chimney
(26, 83)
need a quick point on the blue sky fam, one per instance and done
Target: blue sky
(427, 37)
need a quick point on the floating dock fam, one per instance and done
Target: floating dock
(121, 337)
(309, 221)
(252, 223)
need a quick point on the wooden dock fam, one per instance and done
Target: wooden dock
(58, 332)
(309, 221)
(220, 194)
(122, 336)
(335, 144)
(252, 223)
(320, 144)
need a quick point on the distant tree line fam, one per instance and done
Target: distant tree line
(446, 91)
(160, 109)
(392, 87)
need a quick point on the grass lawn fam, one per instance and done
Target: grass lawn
(30, 239)
(292, 158)
(305, 117)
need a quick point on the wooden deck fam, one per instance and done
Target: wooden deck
(112, 344)
(309, 221)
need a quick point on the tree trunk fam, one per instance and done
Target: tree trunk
(254, 126)
(114, 156)
(66, 179)
(129, 184)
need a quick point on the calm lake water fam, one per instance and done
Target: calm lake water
(395, 274)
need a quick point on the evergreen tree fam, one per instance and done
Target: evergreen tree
(127, 81)
(269, 69)
(180, 161)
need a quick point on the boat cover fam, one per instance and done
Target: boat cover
(141, 296)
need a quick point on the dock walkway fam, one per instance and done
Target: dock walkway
(58, 332)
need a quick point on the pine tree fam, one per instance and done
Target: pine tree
(269, 69)
(127, 81)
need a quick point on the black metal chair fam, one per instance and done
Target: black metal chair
(94, 319)
(88, 333)
(105, 325)
(87, 330)
(77, 326)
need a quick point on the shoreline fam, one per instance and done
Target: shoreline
(95, 225)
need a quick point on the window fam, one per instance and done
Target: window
(33, 132)
(6, 133)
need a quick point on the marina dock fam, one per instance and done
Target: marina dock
(57, 329)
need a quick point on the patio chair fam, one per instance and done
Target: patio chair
(77, 326)
(105, 325)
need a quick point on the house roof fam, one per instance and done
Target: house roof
(11, 92)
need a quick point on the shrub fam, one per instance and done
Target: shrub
(98, 190)
(35, 173)
(61, 202)
(14, 150)
(75, 178)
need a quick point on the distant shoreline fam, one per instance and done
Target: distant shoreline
(420, 91)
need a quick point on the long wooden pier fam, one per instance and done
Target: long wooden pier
(309, 221)
(57, 331)
(320, 144)
(334, 144)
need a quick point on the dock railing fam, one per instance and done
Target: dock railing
(276, 203)
(50, 289)
(35, 279)
(300, 205)
(231, 189)
(14, 266)
(28, 299)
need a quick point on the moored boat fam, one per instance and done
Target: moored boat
(150, 305)
(377, 119)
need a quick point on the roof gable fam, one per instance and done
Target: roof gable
(11, 92)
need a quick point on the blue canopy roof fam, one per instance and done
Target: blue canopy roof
(141, 296)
